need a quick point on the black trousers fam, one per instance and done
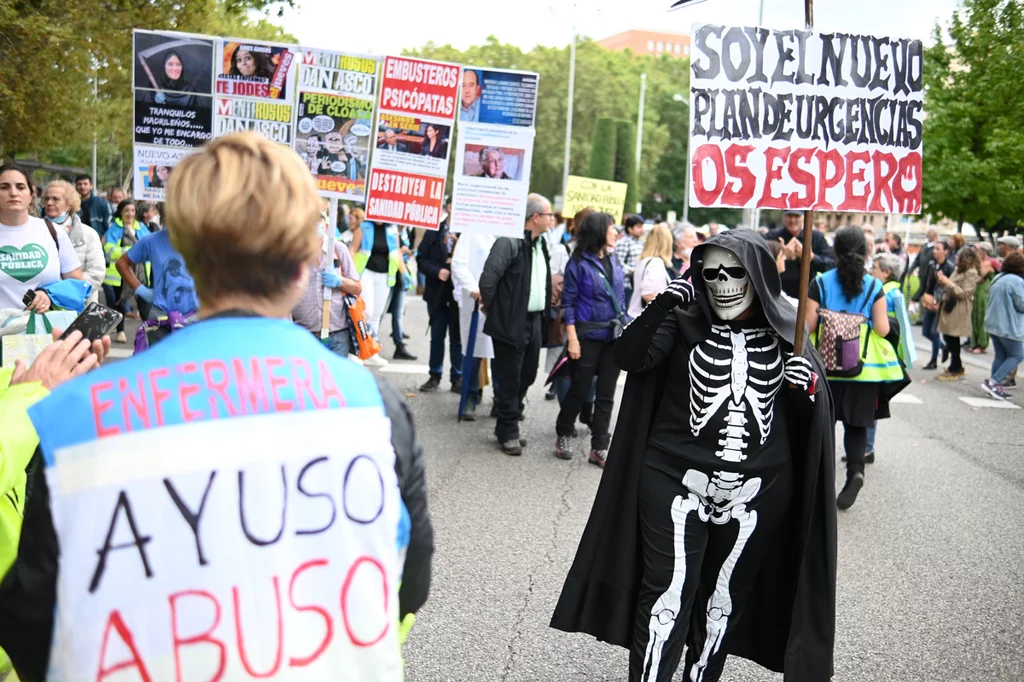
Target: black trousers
(515, 370)
(705, 533)
(953, 344)
(595, 360)
(855, 443)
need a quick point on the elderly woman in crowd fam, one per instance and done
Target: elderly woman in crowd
(60, 205)
(239, 400)
(955, 308)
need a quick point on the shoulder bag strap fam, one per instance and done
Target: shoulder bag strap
(53, 233)
(608, 288)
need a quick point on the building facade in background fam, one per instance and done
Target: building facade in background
(651, 43)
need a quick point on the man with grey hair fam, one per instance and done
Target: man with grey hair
(391, 142)
(515, 291)
(684, 241)
(492, 160)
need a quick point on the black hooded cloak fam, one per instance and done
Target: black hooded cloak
(789, 623)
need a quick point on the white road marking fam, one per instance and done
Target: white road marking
(403, 368)
(906, 399)
(989, 402)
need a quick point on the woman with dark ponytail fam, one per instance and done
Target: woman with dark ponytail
(850, 289)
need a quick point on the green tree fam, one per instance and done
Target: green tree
(625, 161)
(602, 153)
(974, 129)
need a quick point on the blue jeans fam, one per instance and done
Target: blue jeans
(445, 320)
(930, 329)
(872, 430)
(1008, 354)
(339, 342)
(397, 308)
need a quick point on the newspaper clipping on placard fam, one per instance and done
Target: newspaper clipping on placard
(799, 119)
(334, 120)
(497, 109)
(416, 112)
(172, 81)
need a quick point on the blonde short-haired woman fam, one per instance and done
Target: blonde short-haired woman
(60, 204)
(256, 412)
(651, 275)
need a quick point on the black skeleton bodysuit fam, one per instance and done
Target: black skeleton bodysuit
(716, 483)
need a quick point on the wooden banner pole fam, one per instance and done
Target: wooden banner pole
(806, 251)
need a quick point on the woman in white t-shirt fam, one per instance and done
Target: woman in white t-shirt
(31, 255)
(651, 274)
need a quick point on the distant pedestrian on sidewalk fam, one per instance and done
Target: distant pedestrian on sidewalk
(515, 289)
(434, 258)
(467, 265)
(955, 308)
(1004, 323)
(930, 296)
(629, 248)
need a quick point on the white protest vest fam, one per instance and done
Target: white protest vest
(227, 509)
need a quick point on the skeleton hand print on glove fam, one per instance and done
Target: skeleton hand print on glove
(799, 373)
(679, 293)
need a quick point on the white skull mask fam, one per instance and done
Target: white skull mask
(730, 291)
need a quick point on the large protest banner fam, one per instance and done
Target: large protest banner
(605, 196)
(173, 87)
(805, 120)
(492, 163)
(416, 111)
(334, 120)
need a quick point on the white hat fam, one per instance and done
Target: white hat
(1010, 241)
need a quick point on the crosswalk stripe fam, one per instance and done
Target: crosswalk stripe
(989, 402)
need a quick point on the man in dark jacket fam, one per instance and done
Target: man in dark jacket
(434, 258)
(515, 288)
(792, 236)
(95, 211)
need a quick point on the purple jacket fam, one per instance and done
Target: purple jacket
(585, 298)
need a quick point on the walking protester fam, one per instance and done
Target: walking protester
(685, 241)
(60, 206)
(856, 388)
(593, 303)
(515, 290)
(115, 195)
(887, 268)
(791, 235)
(434, 259)
(94, 211)
(396, 305)
(989, 268)
(171, 287)
(122, 235)
(629, 247)
(1004, 322)
(956, 242)
(920, 261)
(150, 215)
(468, 260)
(243, 211)
(20, 231)
(356, 220)
(930, 295)
(379, 262)
(894, 243)
(554, 337)
(652, 272)
(955, 309)
(340, 276)
(702, 532)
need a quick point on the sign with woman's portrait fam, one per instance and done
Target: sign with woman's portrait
(172, 68)
(252, 69)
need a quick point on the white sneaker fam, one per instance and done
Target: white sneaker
(375, 361)
(356, 359)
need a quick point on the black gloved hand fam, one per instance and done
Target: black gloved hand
(679, 293)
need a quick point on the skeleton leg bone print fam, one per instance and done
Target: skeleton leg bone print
(718, 500)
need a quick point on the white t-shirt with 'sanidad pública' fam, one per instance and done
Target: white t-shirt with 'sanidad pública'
(29, 259)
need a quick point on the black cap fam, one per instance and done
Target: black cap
(792, 211)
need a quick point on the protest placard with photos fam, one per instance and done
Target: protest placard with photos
(416, 111)
(806, 120)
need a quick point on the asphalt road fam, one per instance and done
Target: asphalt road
(931, 558)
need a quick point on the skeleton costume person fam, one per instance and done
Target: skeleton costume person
(714, 526)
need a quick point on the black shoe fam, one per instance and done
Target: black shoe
(848, 495)
(405, 336)
(457, 385)
(930, 365)
(402, 353)
(512, 447)
(868, 458)
(550, 395)
(432, 383)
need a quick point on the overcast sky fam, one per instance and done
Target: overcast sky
(389, 27)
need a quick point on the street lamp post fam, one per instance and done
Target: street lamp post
(640, 126)
(686, 195)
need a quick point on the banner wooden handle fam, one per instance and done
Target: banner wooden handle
(806, 253)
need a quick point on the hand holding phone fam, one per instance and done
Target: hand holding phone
(95, 322)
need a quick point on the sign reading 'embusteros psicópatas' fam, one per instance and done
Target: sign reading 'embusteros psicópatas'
(805, 120)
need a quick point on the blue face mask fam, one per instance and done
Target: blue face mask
(60, 219)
